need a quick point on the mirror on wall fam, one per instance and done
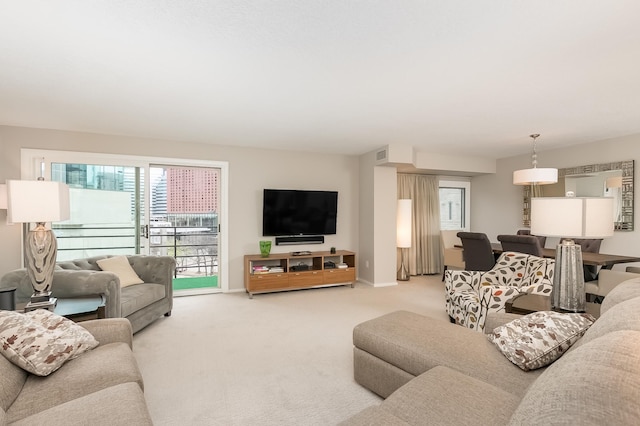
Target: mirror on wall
(594, 180)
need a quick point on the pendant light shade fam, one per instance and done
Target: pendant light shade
(535, 175)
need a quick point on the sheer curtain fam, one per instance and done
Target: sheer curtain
(425, 255)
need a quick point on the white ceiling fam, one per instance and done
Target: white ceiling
(446, 76)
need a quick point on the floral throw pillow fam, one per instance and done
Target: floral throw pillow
(41, 341)
(538, 339)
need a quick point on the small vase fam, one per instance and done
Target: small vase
(265, 248)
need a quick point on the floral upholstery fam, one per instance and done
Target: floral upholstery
(470, 295)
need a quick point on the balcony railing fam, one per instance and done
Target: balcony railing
(194, 248)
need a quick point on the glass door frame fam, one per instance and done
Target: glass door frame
(37, 161)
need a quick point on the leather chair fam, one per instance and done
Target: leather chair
(476, 251)
(452, 255)
(543, 240)
(527, 244)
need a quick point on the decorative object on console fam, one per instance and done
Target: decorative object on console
(265, 248)
(38, 202)
(535, 175)
(571, 217)
(403, 236)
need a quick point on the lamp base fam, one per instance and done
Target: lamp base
(49, 304)
(403, 271)
(568, 292)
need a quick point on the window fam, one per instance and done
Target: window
(454, 205)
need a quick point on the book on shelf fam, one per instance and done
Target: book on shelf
(276, 269)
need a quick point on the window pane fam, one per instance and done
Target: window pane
(105, 211)
(452, 208)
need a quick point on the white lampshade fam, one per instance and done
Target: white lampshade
(33, 201)
(539, 176)
(573, 217)
(3, 196)
(403, 224)
(614, 182)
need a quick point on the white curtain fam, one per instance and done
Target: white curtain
(425, 254)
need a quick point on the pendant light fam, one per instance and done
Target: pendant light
(535, 175)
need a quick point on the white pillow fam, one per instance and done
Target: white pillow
(40, 341)
(538, 339)
(120, 266)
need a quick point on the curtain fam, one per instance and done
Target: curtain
(425, 254)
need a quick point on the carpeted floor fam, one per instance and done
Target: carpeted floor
(277, 359)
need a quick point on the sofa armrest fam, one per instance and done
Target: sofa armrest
(70, 283)
(110, 330)
(155, 269)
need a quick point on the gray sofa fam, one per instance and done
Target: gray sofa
(433, 372)
(139, 303)
(101, 387)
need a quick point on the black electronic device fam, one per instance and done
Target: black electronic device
(300, 267)
(329, 265)
(297, 213)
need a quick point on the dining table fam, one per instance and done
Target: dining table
(606, 261)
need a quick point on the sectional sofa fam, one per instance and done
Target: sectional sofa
(433, 372)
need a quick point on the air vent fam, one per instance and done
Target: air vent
(381, 155)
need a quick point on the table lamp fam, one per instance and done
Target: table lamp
(571, 217)
(403, 235)
(38, 202)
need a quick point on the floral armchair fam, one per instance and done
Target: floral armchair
(470, 295)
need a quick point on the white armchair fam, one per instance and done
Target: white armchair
(470, 295)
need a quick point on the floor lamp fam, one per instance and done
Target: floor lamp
(39, 202)
(571, 217)
(403, 236)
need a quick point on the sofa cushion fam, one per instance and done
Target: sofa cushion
(120, 266)
(442, 396)
(12, 379)
(539, 338)
(595, 384)
(136, 297)
(121, 404)
(41, 341)
(98, 369)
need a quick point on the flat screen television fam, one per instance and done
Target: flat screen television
(299, 212)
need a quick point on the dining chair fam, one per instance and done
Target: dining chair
(476, 251)
(528, 244)
(543, 240)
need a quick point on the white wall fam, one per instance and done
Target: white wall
(496, 204)
(250, 171)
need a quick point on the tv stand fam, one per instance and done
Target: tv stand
(284, 271)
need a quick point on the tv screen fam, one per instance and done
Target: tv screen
(296, 212)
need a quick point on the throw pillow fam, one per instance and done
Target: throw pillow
(538, 339)
(120, 266)
(40, 341)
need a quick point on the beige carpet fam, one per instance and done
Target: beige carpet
(277, 359)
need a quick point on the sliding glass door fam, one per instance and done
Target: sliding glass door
(125, 205)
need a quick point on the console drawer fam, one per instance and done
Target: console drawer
(305, 279)
(268, 281)
(333, 276)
